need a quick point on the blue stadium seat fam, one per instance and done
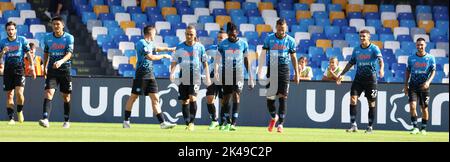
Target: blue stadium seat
(134, 9)
(11, 13)
(387, 37)
(124, 67)
(236, 12)
(372, 15)
(440, 24)
(139, 18)
(179, 25)
(205, 19)
(332, 30)
(320, 14)
(405, 16)
(334, 7)
(130, 53)
(239, 20)
(334, 52)
(172, 19)
(198, 4)
(384, 30)
(402, 38)
(374, 22)
(285, 6)
(106, 16)
(256, 20)
(340, 22)
(120, 38)
(31, 21)
(171, 40)
(423, 9)
(387, 8)
(398, 67)
(181, 3)
(166, 32)
(93, 3)
(23, 6)
(219, 11)
(85, 17)
(374, 37)
(185, 10)
(304, 45)
(316, 36)
(438, 77)
(129, 73)
(152, 18)
(153, 10)
(113, 2)
(110, 24)
(306, 22)
(408, 23)
(249, 5)
(113, 32)
(164, 3)
(251, 35)
(336, 36)
(136, 38)
(322, 22)
(440, 9)
(116, 9)
(21, 29)
(103, 38)
(108, 45)
(253, 13)
(348, 29)
(351, 37)
(301, 6)
(83, 8)
(354, 15)
(202, 33)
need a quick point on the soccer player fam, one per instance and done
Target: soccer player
(144, 82)
(419, 74)
(37, 63)
(279, 50)
(58, 49)
(233, 56)
(14, 48)
(214, 90)
(365, 57)
(189, 55)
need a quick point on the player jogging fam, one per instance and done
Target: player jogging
(14, 49)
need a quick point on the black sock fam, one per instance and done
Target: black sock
(414, 121)
(424, 124)
(193, 111)
(235, 113)
(224, 113)
(66, 111)
(271, 107)
(47, 108)
(212, 111)
(185, 110)
(160, 118)
(282, 110)
(371, 115)
(19, 108)
(10, 113)
(352, 114)
(127, 115)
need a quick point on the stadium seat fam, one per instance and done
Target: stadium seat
(347, 51)
(265, 6)
(357, 23)
(339, 44)
(232, 5)
(126, 46)
(315, 7)
(122, 17)
(168, 11)
(147, 3)
(390, 24)
(98, 9)
(438, 53)
(323, 43)
(222, 20)
(315, 29)
(369, 8)
(427, 25)
(336, 15)
(127, 24)
(401, 31)
(5, 6)
(388, 16)
(353, 8)
(128, 3)
(403, 8)
(424, 17)
(130, 32)
(424, 36)
(35, 28)
(263, 28)
(188, 19)
(116, 60)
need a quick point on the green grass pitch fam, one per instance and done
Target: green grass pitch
(102, 132)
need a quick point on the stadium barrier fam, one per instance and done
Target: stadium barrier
(311, 104)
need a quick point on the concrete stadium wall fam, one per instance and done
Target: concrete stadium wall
(310, 104)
